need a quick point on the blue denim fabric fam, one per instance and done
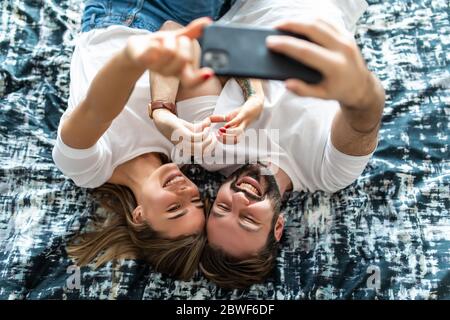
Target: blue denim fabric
(146, 14)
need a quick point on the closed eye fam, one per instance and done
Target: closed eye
(249, 219)
(223, 207)
(174, 207)
(249, 224)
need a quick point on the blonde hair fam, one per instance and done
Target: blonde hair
(118, 237)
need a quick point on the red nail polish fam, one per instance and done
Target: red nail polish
(222, 129)
(206, 76)
(226, 126)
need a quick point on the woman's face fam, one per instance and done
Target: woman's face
(171, 203)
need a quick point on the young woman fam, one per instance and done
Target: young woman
(107, 141)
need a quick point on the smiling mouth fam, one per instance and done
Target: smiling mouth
(250, 185)
(174, 179)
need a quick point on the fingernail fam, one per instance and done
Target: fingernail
(222, 129)
(226, 126)
(206, 76)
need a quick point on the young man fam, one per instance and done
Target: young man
(327, 134)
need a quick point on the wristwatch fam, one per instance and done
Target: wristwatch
(155, 105)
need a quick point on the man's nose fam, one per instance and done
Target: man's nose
(240, 200)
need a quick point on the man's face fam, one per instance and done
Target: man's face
(243, 214)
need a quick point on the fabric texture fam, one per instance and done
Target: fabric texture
(391, 225)
(144, 14)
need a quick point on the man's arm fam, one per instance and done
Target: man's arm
(355, 129)
(346, 79)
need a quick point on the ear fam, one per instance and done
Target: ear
(279, 226)
(138, 215)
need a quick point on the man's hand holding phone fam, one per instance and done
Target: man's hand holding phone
(334, 53)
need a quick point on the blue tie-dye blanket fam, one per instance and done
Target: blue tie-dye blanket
(385, 237)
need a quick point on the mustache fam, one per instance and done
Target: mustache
(249, 195)
(269, 184)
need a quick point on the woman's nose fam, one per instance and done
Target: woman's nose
(184, 190)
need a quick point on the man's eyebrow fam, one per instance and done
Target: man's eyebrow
(179, 215)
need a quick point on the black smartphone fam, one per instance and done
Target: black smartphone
(241, 51)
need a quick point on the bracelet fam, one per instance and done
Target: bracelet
(155, 105)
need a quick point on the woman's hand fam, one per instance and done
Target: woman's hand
(238, 120)
(169, 53)
(191, 138)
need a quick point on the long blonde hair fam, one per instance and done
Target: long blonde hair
(117, 237)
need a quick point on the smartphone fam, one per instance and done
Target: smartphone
(241, 51)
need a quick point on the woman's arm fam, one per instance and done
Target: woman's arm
(168, 53)
(105, 99)
(251, 88)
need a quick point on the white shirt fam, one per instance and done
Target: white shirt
(341, 13)
(292, 132)
(304, 150)
(131, 134)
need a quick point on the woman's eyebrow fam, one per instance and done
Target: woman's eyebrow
(179, 215)
(198, 203)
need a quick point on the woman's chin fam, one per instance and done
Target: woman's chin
(166, 172)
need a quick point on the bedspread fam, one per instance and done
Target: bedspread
(387, 236)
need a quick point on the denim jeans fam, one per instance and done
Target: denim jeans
(147, 14)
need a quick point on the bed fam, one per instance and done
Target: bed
(387, 236)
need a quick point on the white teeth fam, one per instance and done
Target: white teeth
(174, 180)
(249, 188)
